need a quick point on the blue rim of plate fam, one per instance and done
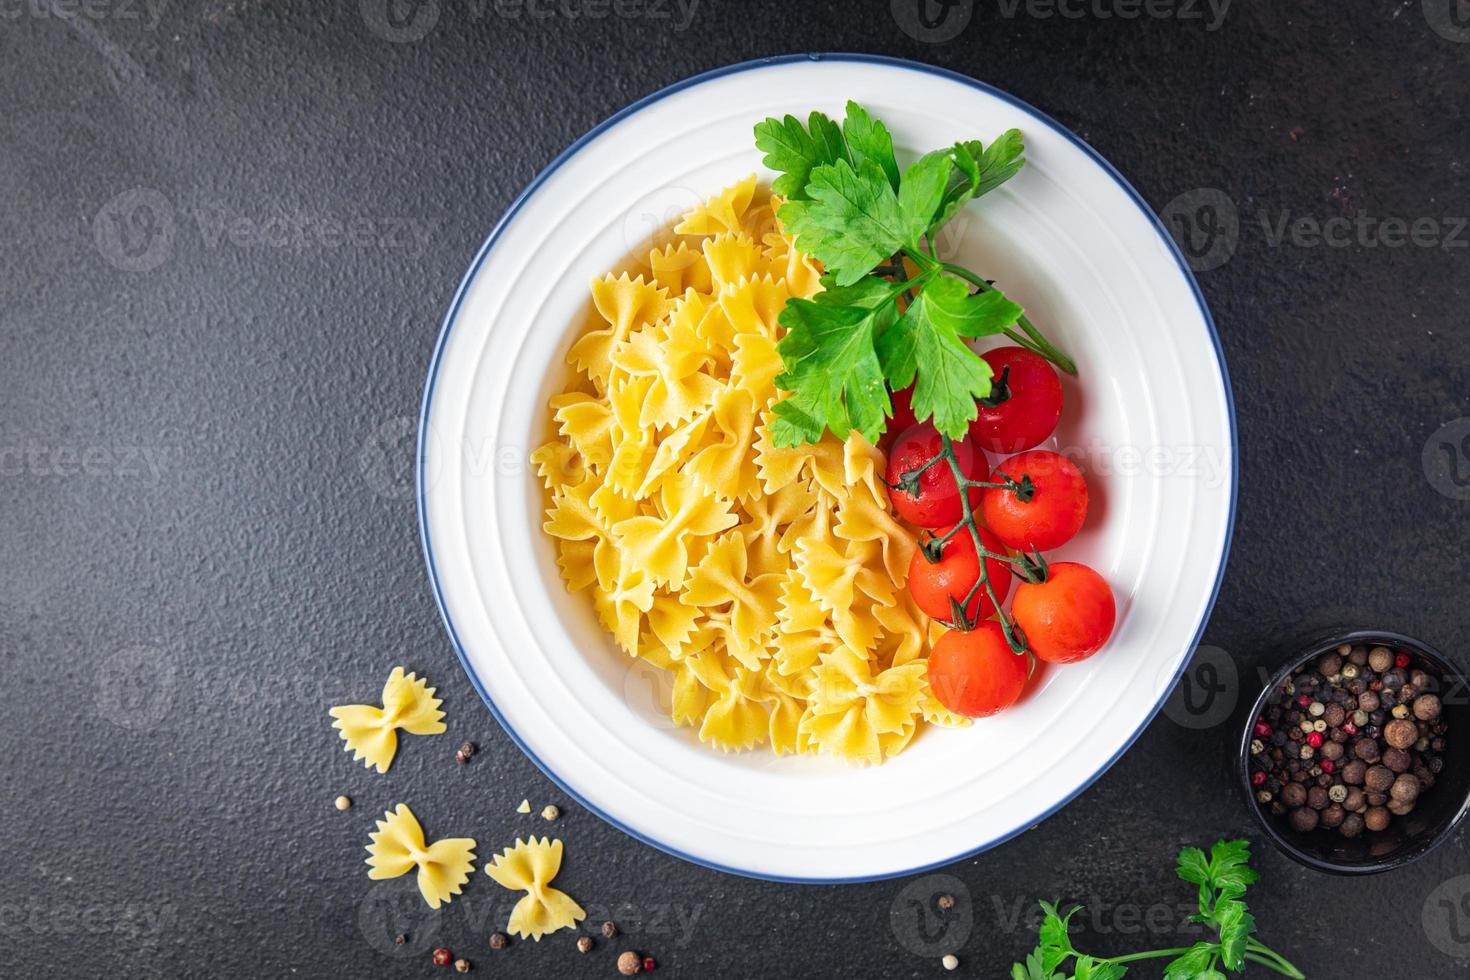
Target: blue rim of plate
(663, 93)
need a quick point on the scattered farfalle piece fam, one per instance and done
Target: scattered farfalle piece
(525, 807)
(372, 732)
(530, 866)
(398, 847)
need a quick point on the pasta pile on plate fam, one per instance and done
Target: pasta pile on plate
(767, 581)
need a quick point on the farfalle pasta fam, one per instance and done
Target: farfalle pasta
(767, 581)
(398, 847)
(371, 732)
(530, 866)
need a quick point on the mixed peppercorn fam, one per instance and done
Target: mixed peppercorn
(1349, 741)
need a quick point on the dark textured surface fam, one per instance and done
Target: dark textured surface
(207, 449)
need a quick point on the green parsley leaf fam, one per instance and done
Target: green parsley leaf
(852, 221)
(1054, 936)
(964, 178)
(792, 150)
(1236, 926)
(925, 348)
(1194, 867)
(921, 192)
(1193, 965)
(1086, 968)
(1230, 870)
(869, 292)
(832, 372)
(1000, 161)
(979, 169)
(868, 139)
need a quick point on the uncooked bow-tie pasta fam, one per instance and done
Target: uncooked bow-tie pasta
(530, 866)
(767, 581)
(371, 733)
(398, 847)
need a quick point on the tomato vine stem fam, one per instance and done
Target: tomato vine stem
(1031, 567)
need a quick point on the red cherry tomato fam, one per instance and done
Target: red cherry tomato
(937, 503)
(903, 416)
(934, 583)
(1030, 402)
(1069, 616)
(975, 673)
(1057, 507)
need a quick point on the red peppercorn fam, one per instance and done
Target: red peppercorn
(443, 957)
(1402, 660)
(1350, 728)
(1328, 766)
(1303, 700)
(1258, 778)
(1263, 730)
(649, 963)
(1314, 739)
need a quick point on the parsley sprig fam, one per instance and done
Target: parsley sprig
(1222, 877)
(893, 314)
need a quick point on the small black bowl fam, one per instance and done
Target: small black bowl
(1439, 810)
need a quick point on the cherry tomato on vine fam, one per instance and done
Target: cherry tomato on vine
(933, 584)
(1024, 405)
(1069, 616)
(975, 673)
(1053, 514)
(937, 502)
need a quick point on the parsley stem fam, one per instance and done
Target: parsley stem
(1150, 955)
(1261, 953)
(1039, 344)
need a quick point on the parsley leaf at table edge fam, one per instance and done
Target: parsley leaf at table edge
(848, 206)
(1222, 877)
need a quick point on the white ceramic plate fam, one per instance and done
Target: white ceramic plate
(1150, 419)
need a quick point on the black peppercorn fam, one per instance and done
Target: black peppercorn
(1427, 707)
(499, 940)
(1356, 801)
(1294, 795)
(1304, 819)
(1401, 733)
(610, 929)
(1358, 656)
(1400, 808)
(1398, 760)
(1333, 816)
(1328, 664)
(1376, 818)
(1352, 825)
(1378, 779)
(1368, 701)
(1366, 749)
(1405, 788)
(1317, 798)
(1353, 772)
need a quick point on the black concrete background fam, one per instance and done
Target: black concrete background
(230, 231)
